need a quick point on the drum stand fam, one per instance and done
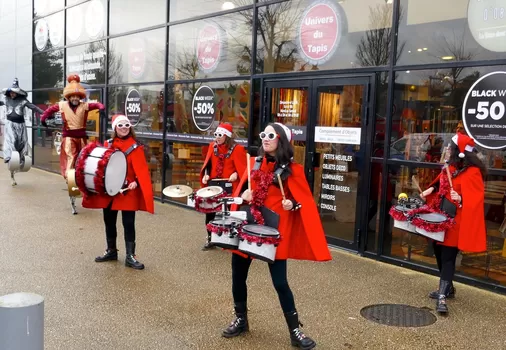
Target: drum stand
(225, 213)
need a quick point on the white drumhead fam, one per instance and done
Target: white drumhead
(115, 173)
(98, 152)
(260, 230)
(14, 163)
(227, 222)
(210, 191)
(433, 217)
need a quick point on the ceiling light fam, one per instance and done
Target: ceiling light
(419, 50)
(227, 6)
(409, 51)
(425, 49)
(447, 58)
(408, 71)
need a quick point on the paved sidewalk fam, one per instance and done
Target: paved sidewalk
(182, 300)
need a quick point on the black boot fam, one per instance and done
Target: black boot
(240, 324)
(444, 288)
(110, 254)
(208, 244)
(130, 260)
(450, 295)
(298, 338)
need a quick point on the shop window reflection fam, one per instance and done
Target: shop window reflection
(411, 247)
(181, 9)
(48, 69)
(45, 151)
(153, 150)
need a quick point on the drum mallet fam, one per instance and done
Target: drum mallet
(281, 187)
(248, 158)
(449, 175)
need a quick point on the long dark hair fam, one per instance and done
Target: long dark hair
(284, 152)
(470, 159)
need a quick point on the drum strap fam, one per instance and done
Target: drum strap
(131, 149)
(280, 169)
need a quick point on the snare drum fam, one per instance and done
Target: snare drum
(259, 241)
(432, 223)
(207, 199)
(401, 221)
(104, 170)
(224, 232)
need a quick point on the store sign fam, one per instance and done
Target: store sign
(484, 111)
(288, 109)
(347, 136)
(74, 23)
(209, 48)
(487, 23)
(203, 108)
(87, 65)
(137, 58)
(133, 106)
(319, 33)
(298, 132)
(334, 179)
(41, 34)
(180, 137)
(95, 17)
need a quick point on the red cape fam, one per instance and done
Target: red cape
(139, 199)
(469, 233)
(302, 232)
(235, 163)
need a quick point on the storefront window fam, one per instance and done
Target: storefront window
(195, 110)
(143, 105)
(87, 21)
(73, 2)
(304, 35)
(45, 151)
(214, 47)
(124, 15)
(412, 247)
(457, 31)
(181, 9)
(48, 32)
(88, 61)
(48, 69)
(137, 57)
(428, 110)
(154, 156)
(43, 7)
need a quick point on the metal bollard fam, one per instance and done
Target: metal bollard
(22, 322)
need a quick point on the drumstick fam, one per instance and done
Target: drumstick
(449, 175)
(249, 171)
(123, 190)
(281, 187)
(415, 181)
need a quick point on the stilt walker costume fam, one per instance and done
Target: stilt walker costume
(16, 137)
(138, 193)
(224, 160)
(74, 115)
(300, 228)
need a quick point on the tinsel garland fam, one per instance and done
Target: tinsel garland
(218, 229)
(432, 226)
(99, 179)
(397, 215)
(80, 166)
(263, 180)
(221, 159)
(259, 240)
(213, 200)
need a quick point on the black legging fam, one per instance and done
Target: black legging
(110, 218)
(446, 258)
(209, 217)
(240, 268)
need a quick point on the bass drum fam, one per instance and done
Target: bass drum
(15, 163)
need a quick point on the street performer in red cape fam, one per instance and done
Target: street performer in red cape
(225, 159)
(466, 194)
(138, 196)
(74, 115)
(300, 227)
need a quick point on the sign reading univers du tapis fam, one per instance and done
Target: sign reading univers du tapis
(484, 111)
(320, 31)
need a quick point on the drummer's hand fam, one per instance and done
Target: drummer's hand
(287, 204)
(455, 196)
(205, 179)
(132, 186)
(233, 177)
(247, 196)
(427, 192)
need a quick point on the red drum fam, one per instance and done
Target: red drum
(259, 241)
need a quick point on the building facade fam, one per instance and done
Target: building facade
(372, 90)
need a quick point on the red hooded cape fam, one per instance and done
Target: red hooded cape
(302, 235)
(235, 163)
(469, 233)
(137, 169)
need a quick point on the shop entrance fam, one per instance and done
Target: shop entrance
(329, 122)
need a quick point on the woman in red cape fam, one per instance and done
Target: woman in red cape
(300, 227)
(139, 195)
(224, 160)
(468, 194)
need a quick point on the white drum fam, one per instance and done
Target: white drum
(431, 220)
(403, 224)
(224, 232)
(15, 163)
(207, 199)
(259, 241)
(105, 171)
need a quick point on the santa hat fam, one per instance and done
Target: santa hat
(464, 143)
(288, 132)
(225, 129)
(118, 118)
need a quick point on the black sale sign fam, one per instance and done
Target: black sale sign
(203, 108)
(133, 106)
(484, 111)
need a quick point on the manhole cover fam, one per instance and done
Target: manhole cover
(398, 315)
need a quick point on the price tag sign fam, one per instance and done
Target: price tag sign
(484, 111)
(203, 108)
(133, 106)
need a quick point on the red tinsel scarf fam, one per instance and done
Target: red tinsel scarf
(221, 159)
(263, 180)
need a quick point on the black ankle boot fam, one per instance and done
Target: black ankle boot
(240, 324)
(298, 338)
(130, 260)
(109, 255)
(444, 288)
(208, 244)
(450, 295)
